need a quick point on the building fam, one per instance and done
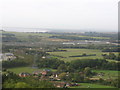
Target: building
(1, 57)
(59, 84)
(44, 72)
(37, 72)
(24, 74)
(7, 56)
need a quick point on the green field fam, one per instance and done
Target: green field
(107, 74)
(18, 70)
(90, 37)
(88, 85)
(71, 52)
(26, 36)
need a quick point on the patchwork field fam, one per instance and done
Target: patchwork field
(65, 55)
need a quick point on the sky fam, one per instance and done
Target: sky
(96, 15)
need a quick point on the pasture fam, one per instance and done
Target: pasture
(107, 74)
(18, 70)
(88, 85)
(71, 52)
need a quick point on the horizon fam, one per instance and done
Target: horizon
(23, 29)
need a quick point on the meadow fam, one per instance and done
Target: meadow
(107, 74)
(18, 70)
(72, 52)
(26, 36)
(88, 85)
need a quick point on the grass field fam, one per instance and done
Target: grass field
(71, 52)
(90, 37)
(18, 70)
(88, 85)
(25, 36)
(107, 74)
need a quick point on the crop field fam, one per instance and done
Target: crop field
(71, 52)
(107, 74)
(88, 85)
(18, 70)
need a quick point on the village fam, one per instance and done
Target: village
(52, 77)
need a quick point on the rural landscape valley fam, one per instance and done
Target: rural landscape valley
(60, 59)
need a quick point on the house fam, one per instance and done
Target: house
(44, 73)
(46, 70)
(72, 84)
(54, 76)
(24, 74)
(94, 79)
(43, 57)
(59, 84)
(36, 72)
(8, 56)
(64, 84)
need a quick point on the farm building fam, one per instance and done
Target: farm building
(7, 56)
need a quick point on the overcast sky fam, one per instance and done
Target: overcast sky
(61, 14)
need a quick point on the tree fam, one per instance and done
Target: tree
(62, 76)
(70, 69)
(84, 54)
(87, 71)
(78, 78)
(112, 55)
(9, 84)
(118, 58)
(62, 68)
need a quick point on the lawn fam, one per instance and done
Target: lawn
(18, 70)
(107, 74)
(88, 85)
